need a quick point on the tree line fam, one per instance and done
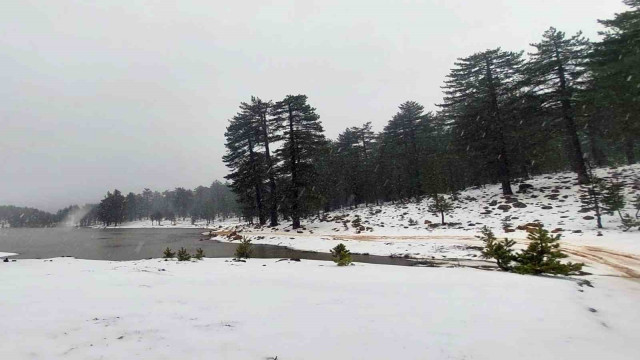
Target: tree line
(567, 104)
(202, 203)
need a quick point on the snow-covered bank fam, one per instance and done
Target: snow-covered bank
(6, 254)
(79, 309)
(408, 229)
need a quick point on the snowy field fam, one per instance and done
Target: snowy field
(215, 309)
(66, 308)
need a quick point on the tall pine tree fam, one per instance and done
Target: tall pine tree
(556, 71)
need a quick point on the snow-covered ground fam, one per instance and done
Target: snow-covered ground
(216, 309)
(408, 229)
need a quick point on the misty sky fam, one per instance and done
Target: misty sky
(127, 94)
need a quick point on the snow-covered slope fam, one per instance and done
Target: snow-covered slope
(215, 309)
(408, 229)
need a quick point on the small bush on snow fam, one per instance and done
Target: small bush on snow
(168, 254)
(244, 248)
(341, 255)
(199, 254)
(183, 255)
(542, 256)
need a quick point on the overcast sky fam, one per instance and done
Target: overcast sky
(127, 94)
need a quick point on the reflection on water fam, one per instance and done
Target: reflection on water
(135, 244)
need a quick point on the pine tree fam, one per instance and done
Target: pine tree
(440, 205)
(543, 255)
(301, 132)
(556, 71)
(259, 112)
(591, 197)
(615, 71)
(246, 164)
(399, 144)
(481, 94)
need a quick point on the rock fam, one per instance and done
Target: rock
(508, 230)
(511, 200)
(504, 207)
(584, 210)
(556, 230)
(427, 222)
(588, 217)
(524, 187)
(599, 233)
(493, 203)
(547, 207)
(577, 231)
(519, 205)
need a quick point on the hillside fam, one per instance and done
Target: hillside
(409, 230)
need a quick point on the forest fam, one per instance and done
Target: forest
(565, 103)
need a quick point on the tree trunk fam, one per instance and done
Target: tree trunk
(503, 163)
(273, 203)
(295, 192)
(628, 150)
(258, 187)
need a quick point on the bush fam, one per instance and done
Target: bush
(542, 256)
(183, 255)
(168, 254)
(199, 254)
(499, 250)
(244, 248)
(341, 255)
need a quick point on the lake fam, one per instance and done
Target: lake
(136, 244)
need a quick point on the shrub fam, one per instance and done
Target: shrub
(542, 256)
(168, 254)
(199, 254)
(183, 255)
(341, 255)
(500, 250)
(244, 248)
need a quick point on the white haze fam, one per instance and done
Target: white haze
(132, 94)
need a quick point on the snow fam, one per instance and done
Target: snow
(6, 254)
(390, 233)
(66, 308)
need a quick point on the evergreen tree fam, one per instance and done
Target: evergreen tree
(301, 132)
(556, 72)
(246, 164)
(615, 69)
(440, 205)
(400, 151)
(259, 112)
(481, 96)
(542, 256)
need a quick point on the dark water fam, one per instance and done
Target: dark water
(135, 244)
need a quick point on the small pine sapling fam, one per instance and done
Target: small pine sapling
(341, 255)
(636, 205)
(613, 199)
(543, 255)
(591, 197)
(629, 222)
(440, 205)
(183, 255)
(500, 250)
(199, 254)
(168, 254)
(244, 248)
